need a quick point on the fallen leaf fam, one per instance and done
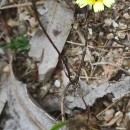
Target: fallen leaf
(57, 22)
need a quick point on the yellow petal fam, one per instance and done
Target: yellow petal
(90, 2)
(98, 6)
(81, 3)
(108, 3)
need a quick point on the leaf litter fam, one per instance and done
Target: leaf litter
(104, 76)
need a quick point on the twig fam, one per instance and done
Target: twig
(21, 5)
(124, 30)
(81, 65)
(112, 64)
(86, 76)
(76, 79)
(68, 74)
(110, 47)
(80, 44)
(80, 94)
(74, 82)
(128, 37)
(62, 108)
(81, 36)
(62, 101)
(120, 128)
(74, 43)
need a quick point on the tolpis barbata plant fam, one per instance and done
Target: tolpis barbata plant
(98, 5)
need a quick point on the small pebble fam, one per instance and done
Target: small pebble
(121, 35)
(114, 44)
(1, 51)
(33, 66)
(6, 69)
(120, 50)
(90, 31)
(128, 70)
(109, 114)
(122, 26)
(114, 24)
(101, 34)
(127, 48)
(42, 10)
(110, 36)
(126, 16)
(116, 37)
(57, 83)
(75, 26)
(51, 90)
(126, 67)
(108, 22)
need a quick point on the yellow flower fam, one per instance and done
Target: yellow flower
(98, 5)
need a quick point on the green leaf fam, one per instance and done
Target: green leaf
(18, 44)
(59, 125)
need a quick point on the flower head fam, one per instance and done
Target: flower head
(98, 5)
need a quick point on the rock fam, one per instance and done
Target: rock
(114, 24)
(110, 36)
(126, 16)
(57, 22)
(101, 34)
(122, 26)
(108, 22)
(109, 114)
(57, 83)
(6, 69)
(116, 37)
(90, 31)
(121, 35)
(120, 50)
(95, 91)
(1, 51)
(41, 10)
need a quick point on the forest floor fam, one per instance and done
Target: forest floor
(94, 51)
